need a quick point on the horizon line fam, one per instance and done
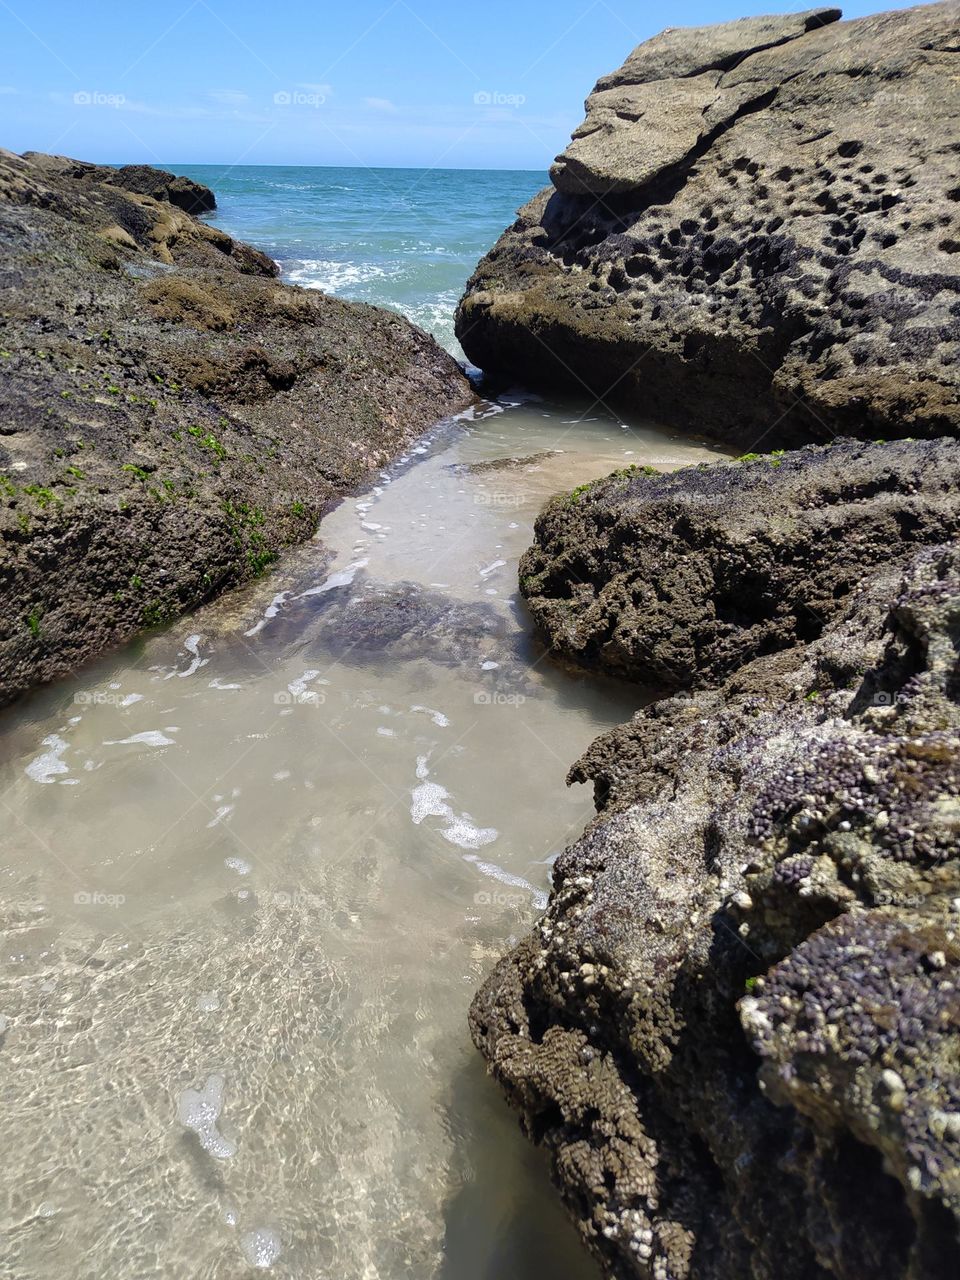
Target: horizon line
(280, 164)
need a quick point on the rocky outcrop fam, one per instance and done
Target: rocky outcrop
(170, 414)
(679, 579)
(737, 1027)
(753, 234)
(141, 179)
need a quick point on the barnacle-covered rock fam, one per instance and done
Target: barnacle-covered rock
(737, 1027)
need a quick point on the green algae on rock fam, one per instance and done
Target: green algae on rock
(172, 415)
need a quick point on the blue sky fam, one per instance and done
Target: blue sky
(366, 82)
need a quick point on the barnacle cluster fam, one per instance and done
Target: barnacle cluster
(859, 1025)
(900, 793)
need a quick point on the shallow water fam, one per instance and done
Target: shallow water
(253, 870)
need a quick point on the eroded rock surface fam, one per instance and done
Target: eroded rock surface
(141, 179)
(753, 234)
(171, 415)
(737, 1027)
(680, 578)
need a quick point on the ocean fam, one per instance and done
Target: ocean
(401, 238)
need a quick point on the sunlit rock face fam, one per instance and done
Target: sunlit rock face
(753, 234)
(171, 414)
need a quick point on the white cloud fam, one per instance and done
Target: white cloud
(323, 90)
(381, 104)
(6, 89)
(228, 97)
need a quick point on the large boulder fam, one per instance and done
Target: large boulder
(737, 1027)
(753, 234)
(193, 197)
(171, 415)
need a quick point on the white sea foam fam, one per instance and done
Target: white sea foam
(271, 611)
(538, 896)
(299, 685)
(192, 646)
(333, 276)
(438, 718)
(149, 738)
(342, 578)
(429, 800)
(299, 688)
(467, 835)
(199, 1110)
(45, 767)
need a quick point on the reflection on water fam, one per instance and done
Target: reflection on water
(253, 870)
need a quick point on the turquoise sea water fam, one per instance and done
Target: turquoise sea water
(401, 238)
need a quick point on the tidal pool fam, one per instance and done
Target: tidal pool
(253, 869)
